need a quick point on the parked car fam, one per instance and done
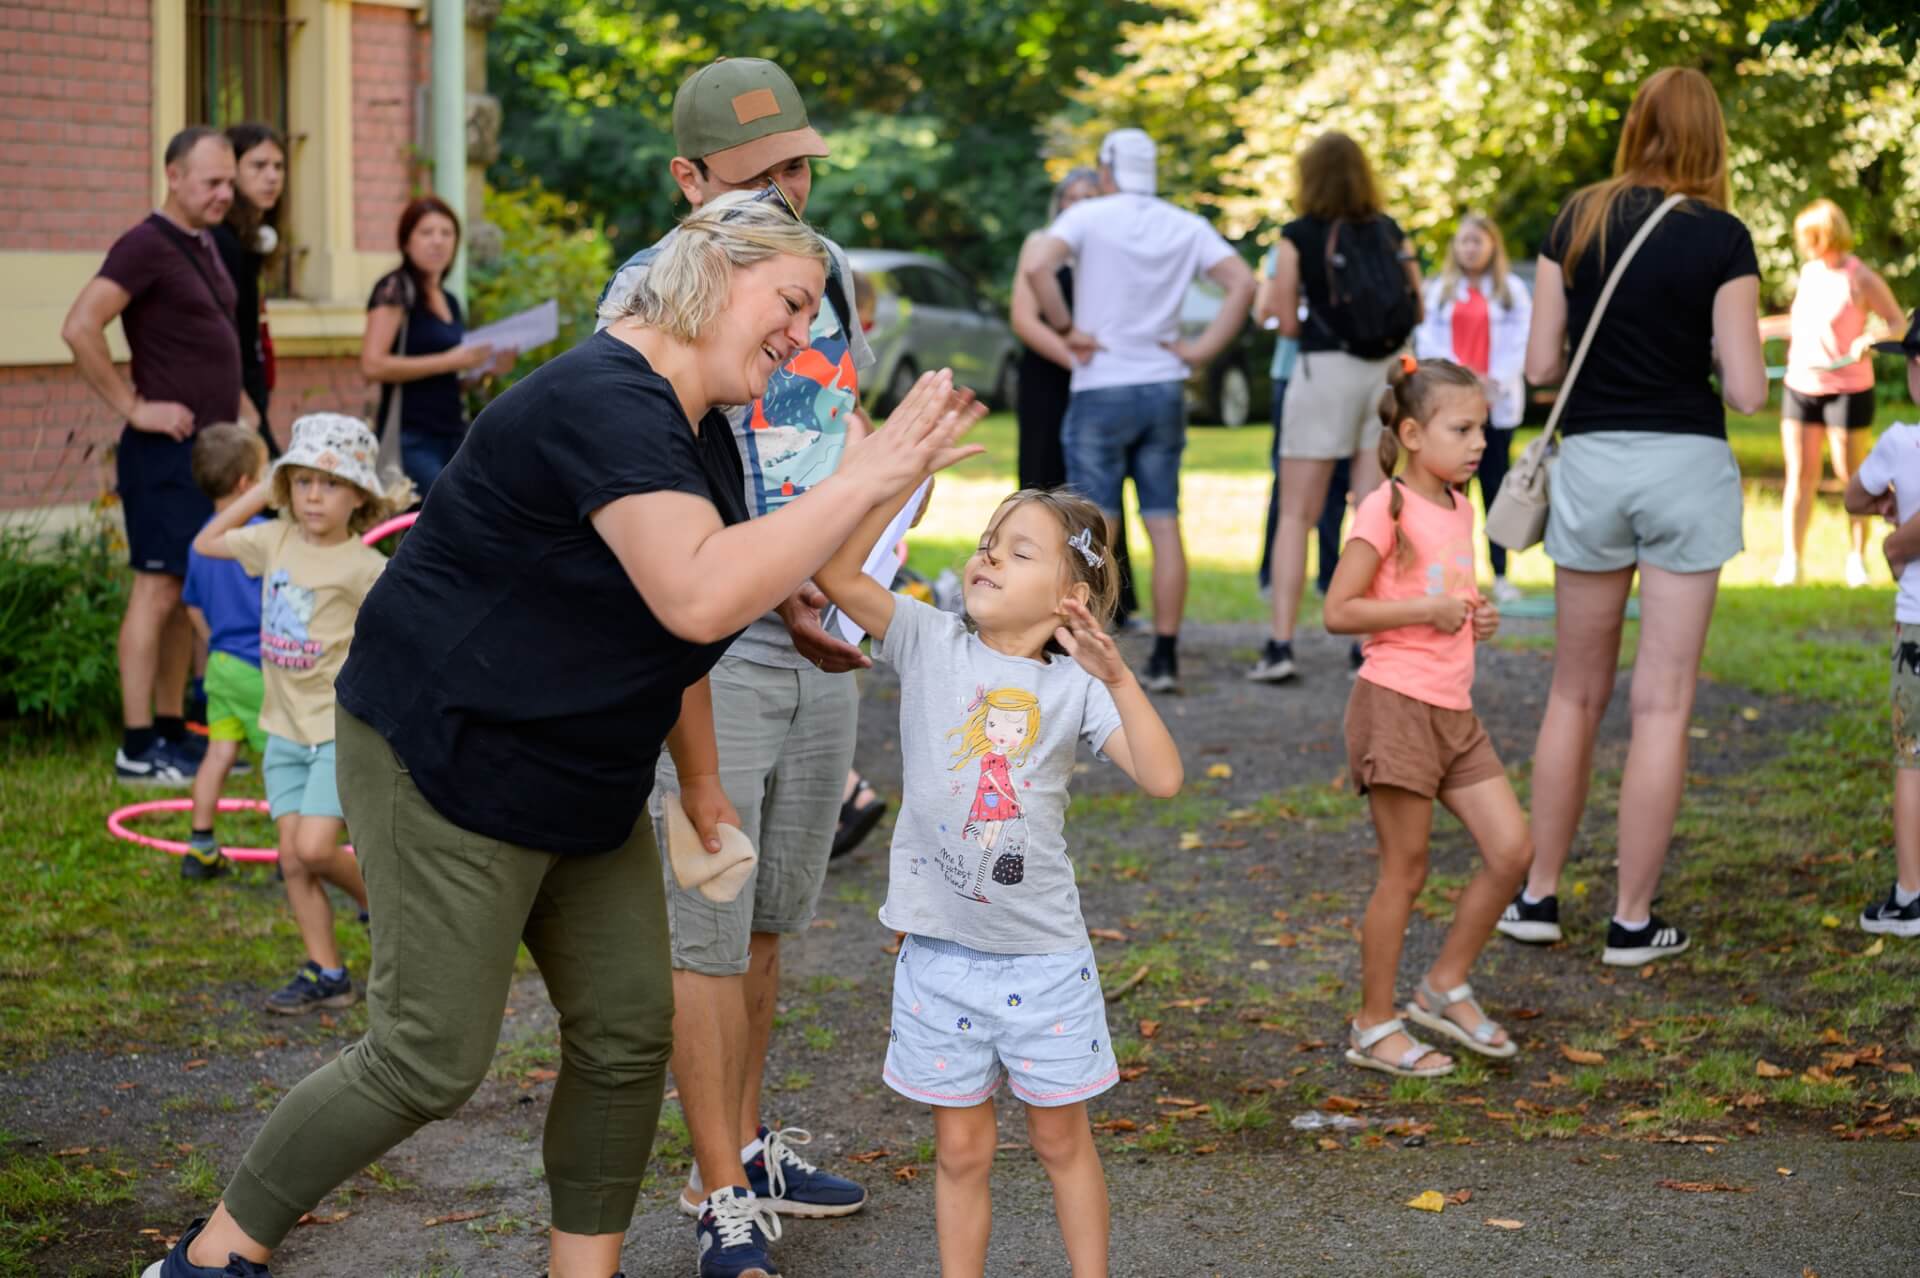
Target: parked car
(1238, 386)
(928, 315)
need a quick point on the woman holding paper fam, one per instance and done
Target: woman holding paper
(415, 347)
(546, 627)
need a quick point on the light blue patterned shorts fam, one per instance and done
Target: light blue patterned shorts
(964, 1019)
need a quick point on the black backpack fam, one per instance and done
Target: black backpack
(1370, 307)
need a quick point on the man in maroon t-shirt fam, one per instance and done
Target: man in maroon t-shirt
(165, 282)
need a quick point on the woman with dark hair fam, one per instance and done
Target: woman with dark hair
(245, 240)
(1644, 483)
(415, 346)
(1046, 368)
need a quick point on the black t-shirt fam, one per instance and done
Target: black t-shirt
(1651, 363)
(504, 653)
(433, 405)
(243, 267)
(1309, 238)
(179, 322)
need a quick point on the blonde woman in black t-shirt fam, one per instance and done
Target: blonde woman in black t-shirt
(1645, 483)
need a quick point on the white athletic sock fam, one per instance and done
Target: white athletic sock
(750, 1151)
(1904, 898)
(1632, 925)
(1530, 898)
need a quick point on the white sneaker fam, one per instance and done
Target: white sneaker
(1788, 573)
(1856, 571)
(1505, 592)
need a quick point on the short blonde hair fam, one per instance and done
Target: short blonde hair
(1821, 229)
(686, 285)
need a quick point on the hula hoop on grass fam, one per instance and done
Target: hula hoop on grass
(380, 532)
(117, 826)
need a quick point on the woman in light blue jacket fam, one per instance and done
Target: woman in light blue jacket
(1477, 312)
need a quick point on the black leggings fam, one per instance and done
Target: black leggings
(1493, 471)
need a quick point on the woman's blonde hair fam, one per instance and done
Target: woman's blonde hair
(1412, 386)
(1334, 181)
(686, 286)
(1674, 138)
(374, 510)
(1821, 229)
(973, 733)
(1451, 274)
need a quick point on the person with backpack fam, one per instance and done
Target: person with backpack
(1352, 265)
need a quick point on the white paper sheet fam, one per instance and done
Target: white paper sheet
(533, 327)
(881, 561)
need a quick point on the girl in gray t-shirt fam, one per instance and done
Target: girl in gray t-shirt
(996, 980)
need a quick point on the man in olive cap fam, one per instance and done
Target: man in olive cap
(784, 706)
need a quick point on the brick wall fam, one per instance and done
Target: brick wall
(388, 52)
(75, 138)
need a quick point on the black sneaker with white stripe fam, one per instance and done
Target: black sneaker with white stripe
(1637, 947)
(1275, 664)
(1891, 918)
(1531, 922)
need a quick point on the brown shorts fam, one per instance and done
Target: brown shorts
(1396, 741)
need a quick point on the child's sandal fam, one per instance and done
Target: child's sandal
(1360, 1052)
(1479, 1039)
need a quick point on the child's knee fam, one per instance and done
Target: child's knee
(965, 1150)
(314, 850)
(1509, 860)
(1057, 1137)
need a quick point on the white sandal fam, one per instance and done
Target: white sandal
(1479, 1039)
(1361, 1042)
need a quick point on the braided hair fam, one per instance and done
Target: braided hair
(1412, 386)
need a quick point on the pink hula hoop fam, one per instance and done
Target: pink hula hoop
(118, 828)
(380, 532)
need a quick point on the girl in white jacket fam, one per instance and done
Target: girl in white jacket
(1477, 312)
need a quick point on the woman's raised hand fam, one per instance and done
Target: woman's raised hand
(920, 437)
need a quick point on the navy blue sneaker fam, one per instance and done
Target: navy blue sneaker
(310, 989)
(158, 764)
(793, 1186)
(176, 1264)
(733, 1232)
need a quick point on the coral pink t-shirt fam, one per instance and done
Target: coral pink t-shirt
(1421, 662)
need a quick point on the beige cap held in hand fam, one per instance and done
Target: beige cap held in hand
(718, 876)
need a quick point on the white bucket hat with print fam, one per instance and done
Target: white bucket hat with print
(338, 444)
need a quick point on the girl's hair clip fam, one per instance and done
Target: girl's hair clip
(1408, 364)
(1082, 541)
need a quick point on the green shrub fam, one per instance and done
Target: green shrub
(61, 599)
(551, 249)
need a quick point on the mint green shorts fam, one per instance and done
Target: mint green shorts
(300, 779)
(1626, 497)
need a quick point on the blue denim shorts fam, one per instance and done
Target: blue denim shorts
(965, 1020)
(1117, 432)
(300, 780)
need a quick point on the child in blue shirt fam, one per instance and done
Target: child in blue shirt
(224, 604)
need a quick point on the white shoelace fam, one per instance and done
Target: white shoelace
(734, 1217)
(780, 1152)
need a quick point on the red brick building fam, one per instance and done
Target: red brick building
(92, 91)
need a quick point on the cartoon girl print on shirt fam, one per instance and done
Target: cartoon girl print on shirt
(1000, 729)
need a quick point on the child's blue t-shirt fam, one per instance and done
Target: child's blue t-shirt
(230, 599)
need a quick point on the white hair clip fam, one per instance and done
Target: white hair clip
(1082, 541)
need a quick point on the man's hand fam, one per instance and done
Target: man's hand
(1083, 345)
(1189, 353)
(707, 805)
(162, 417)
(801, 613)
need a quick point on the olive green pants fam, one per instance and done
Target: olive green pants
(449, 910)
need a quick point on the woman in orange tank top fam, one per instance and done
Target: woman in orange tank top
(1829, 381)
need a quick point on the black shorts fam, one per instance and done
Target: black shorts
(1851, 409)
(164, 508)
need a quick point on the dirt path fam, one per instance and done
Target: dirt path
(1239, 898)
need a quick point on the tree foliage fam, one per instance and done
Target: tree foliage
(552, 247)
(936, 110)
(1895, 23)
(1509, 105)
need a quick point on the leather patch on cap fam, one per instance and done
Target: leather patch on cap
(756, 105)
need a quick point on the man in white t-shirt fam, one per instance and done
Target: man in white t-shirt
(1135, 257)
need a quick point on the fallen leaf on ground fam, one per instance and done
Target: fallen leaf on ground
(1784, 1171)
(1220, 771)
(124, 1087)
(75, 1152)
(1506, 1224)
(1749, 1100)
(871, 1156)
(905, 1173)
(1814, 1074)
(312, 1218)
(1335, 1103)
(1524, 1014)
(1285, 941)
(1191, 1004)
(1117, 1125)
(1106, 934)
(1149, 1028)
(1460, 1197)
(1581, 1056)
(1829, 920)
(1833, 1037)
(456, 1217)
(1191, 840)
(1205, 1149)
(1767, 1069)
(199, 1063)
(1131, 1072)
(1875, 950)
(1428, 1201)
(1178, 1102)
(1703, 1187)
(1311, 1045)
(542, 1075)
(1328, 1144)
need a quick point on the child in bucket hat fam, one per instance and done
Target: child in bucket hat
(314, 573)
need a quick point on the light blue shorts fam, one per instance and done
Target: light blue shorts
(1625, 497)
(300, 779)
(964, 1019)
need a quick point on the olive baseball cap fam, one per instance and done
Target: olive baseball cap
(742, 116)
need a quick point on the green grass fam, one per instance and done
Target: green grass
(39, 1195)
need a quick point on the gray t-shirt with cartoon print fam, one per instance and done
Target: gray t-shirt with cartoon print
(987, 745)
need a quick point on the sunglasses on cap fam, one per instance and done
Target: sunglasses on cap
(769, 194)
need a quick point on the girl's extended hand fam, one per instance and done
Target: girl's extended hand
(1486, 621)
(1447, 613)
(1088, 643)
